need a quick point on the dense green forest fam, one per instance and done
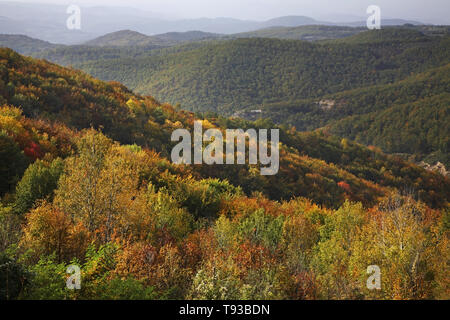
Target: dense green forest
(308, 86)
(348, 86)
(410, 116)
(226, 76)
(80, 102)
(88, 182)
(25, 44)
(309, 33)
(324, 32)
(421, 128)
(127, 38)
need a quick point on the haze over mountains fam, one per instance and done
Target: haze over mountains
(48, 22)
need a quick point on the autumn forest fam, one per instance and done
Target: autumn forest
(87, 178)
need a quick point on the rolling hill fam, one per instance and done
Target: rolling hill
(307, 33)
(86, 180)
(289, 21)
(48, 22)
(119, 39)
(47, 91)
(410, 116)
(297, 83)
(24, 44)
(226, 76)
(127, 38)
(303, 84)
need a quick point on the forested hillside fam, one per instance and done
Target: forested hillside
(420, 128)
(329, 32)
(408, 116)
(48, 91)
(226, 76)
(309, 33)
(349, 86)
(24, 44)
(89, 183)
(127, 38)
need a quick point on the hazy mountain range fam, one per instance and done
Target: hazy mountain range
(48, 22)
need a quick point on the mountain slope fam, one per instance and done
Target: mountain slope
(127, 38)
(311, 165)
(119, 39)
(141, 227)
(421, 128)
(24, 44)
(370, 115)
(289, 21)
(226, 76)
(310, 32)
(48, 22)
(307, 85)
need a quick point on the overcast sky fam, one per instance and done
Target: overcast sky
(432, 11)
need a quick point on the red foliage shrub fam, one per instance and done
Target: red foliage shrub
(344, 185)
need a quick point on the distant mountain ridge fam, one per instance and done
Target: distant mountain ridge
(140, 43)
(300, 83)
(290, 21)
(48, 22)
(25, 44)
(384, 22)
(133, 38)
